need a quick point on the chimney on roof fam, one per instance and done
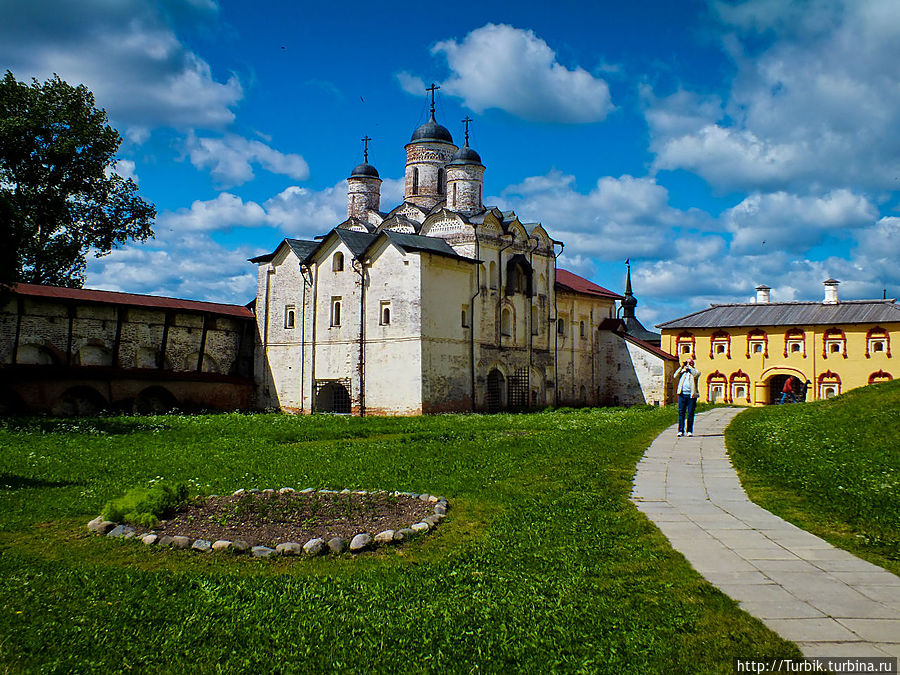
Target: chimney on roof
(762, 295)
(831, 292)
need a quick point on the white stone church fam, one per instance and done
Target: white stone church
(441, 304)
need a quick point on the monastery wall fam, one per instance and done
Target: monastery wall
(114, 354)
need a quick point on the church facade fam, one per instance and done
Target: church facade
(440, 304)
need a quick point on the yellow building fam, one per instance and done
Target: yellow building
(746, 351)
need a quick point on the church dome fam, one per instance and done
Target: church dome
(431, 131)
(629, 301)
(364, 170)
(465, 155)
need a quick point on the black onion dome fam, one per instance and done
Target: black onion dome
(365, 169)
(629, 301)
(431, 131)
(465, 155)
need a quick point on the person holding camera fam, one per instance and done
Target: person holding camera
(687, 390)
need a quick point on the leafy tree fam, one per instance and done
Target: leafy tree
(59, 196)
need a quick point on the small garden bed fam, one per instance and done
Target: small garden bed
(288, 521)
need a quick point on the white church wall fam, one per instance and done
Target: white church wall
(279, 371)
(393, 368)
(652, 371)
(447, 286)
(336, 332)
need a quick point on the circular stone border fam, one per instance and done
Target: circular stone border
(362, 541)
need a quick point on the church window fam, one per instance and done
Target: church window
(561, 326)
(684, 344)
(415, 181)
(758, 343)
(337, 262)
(385, 313)
(880, 376)
(289, 316)
(506, 322)
(720, 344)
(715, 387)
(740, 387)
(493, 274)
(336, 311)
(829, 385)
(535, 321)
(834, 341)
(454, 197)
(581, 329)
(795, 342)
(878, 341)
(464, 316)
(440, 182)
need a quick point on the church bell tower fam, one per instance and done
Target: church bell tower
(427, 154)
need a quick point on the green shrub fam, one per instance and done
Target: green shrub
(145, 506)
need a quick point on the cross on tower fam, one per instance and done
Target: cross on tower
(365, 140)
(433, 88)
(466, 122)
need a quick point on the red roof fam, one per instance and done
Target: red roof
(567, 281)
(130, 299)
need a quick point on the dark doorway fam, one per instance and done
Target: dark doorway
(332, 397)
(776, 385)
(496, 390)
(517, 390)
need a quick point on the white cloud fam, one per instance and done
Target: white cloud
(177, 262)
(411, 84)
(181, 270)
(794, 223)
(229, 159)
(124, 168)
(817, 105)
(216, 215)
(499, 66)
(619, 218)
(127, 56)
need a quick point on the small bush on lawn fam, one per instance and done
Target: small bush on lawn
(145, 506)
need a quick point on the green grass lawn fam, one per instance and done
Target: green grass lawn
(543, 564)
(831, 467)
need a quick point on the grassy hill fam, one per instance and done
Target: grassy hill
(831, 467)
(543, 564)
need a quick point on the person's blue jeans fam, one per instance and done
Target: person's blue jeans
(786, 398)
(686, 407)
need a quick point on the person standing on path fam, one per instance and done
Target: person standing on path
(688, 390)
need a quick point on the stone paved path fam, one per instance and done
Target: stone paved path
(827, 601)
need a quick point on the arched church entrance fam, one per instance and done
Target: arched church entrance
(496, 391)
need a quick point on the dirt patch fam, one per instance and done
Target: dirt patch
(270, 518)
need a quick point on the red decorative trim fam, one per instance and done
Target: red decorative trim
(717, 378)
(717, 338)
(685, 338)
(880, 376)
(834, 334)
(828, 377)
(739, 377)
(754, 336)
(795, 334)
(878, 332)
(833, 378)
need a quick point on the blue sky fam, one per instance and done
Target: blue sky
(718, 145)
